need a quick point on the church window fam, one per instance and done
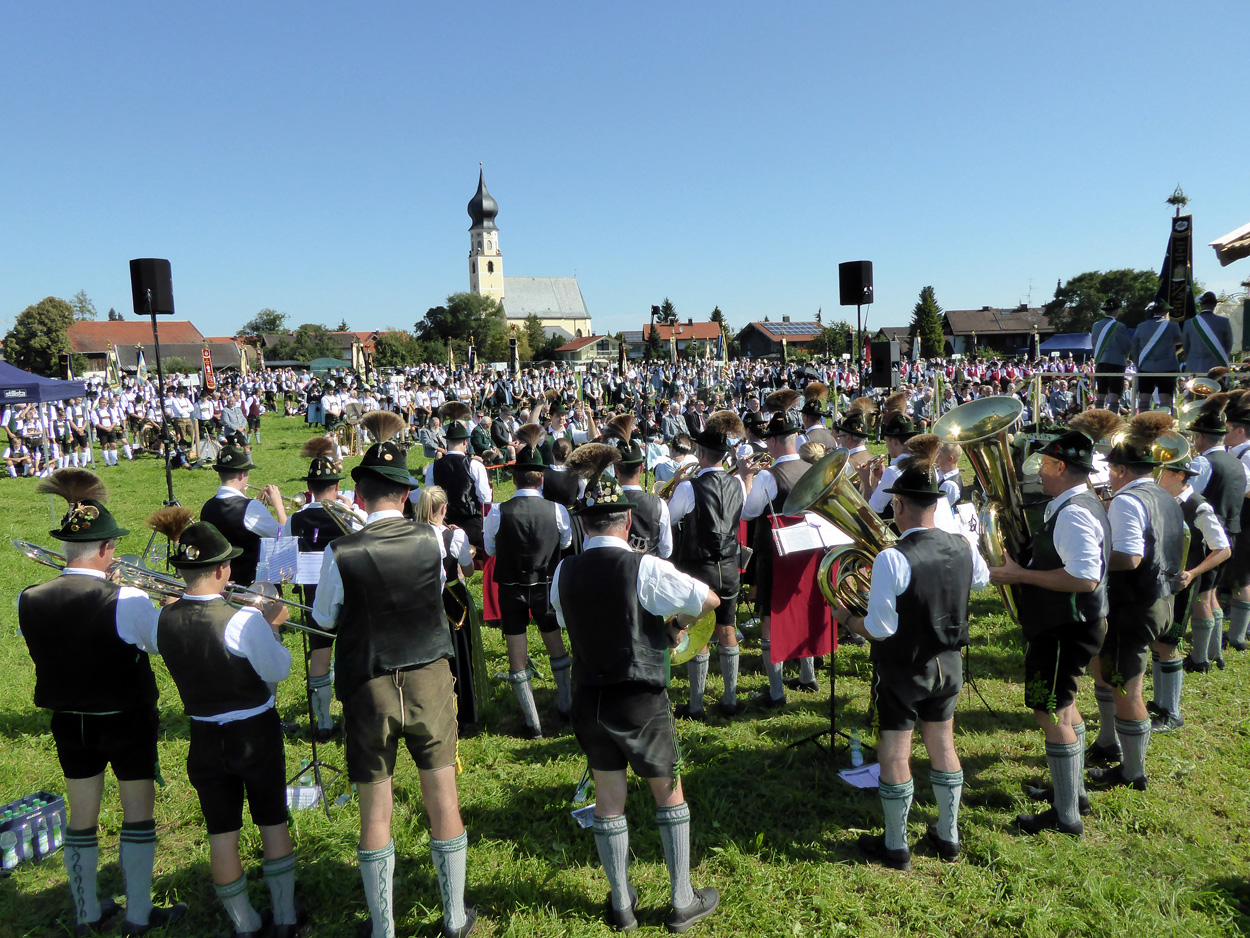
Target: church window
(490, 267)
(472, 267)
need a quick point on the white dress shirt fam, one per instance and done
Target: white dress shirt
(329, 602)
(490, 527)
(1077, 535)
(248, 635)
(891, 575)
(256, 518)
(1208, 524)
(663, 590)
(477, 472)
(1129, 521)
(763, 495)
(459, 545)
(881, 499)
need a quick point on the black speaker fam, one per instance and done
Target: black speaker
(151, 277)
(855, 283)
(884, 357)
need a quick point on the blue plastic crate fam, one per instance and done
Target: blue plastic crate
(54, 807)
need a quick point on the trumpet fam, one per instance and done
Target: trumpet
(292, 502)
(756, 461)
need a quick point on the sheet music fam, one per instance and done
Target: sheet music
(866, 776)
(308, 568)
(815, 534)
(278, 560)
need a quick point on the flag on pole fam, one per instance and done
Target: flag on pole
(112, 367)
(210, 379)
(720, 346)
(141, 365)
(244, 365)
(1176, 277)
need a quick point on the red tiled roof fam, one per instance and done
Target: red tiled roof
(88, 337)
(685, 330)
(579, 343)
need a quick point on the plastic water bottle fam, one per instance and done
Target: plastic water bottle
(305, 776)
(857, 750)
(8, 849)
(58, 830)
(25, 836)
(43, 836)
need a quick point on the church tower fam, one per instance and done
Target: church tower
(485, 259)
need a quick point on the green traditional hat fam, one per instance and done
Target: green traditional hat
(1111, 305)
(815, 398)
(202, 545)
(386, 460)
(900, 426)
(1135, 444)
(324, 467)
(1210, 420)
(603, 492)
(1185, 465)
(1073, 448)
(754, 421)
(87, 519)
(233, 458)
(1158, 305)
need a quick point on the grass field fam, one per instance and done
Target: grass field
(773, 827)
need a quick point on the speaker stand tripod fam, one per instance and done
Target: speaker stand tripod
(315, 765)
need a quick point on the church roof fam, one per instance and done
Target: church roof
(482, 208)
(545, 297)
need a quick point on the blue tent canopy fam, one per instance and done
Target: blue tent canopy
(21, 387)
(1069, 342)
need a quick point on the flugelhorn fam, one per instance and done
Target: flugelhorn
(756, 461)
(827, 490)
(981, 427)
(292, 502)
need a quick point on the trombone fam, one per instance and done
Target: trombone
(292, 502)
(163, 586)
(347, 520)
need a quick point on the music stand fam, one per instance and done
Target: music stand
(316, 764)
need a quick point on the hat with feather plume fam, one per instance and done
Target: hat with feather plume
(1075, 446)
(529, 457)
(815, 396)
(455, 416)
(386, 459)
(722, 432)
(603, 491)
(621, 432)
(86, 519)
(780, 403)
(191, 546)
(919, 476)
(324, 467)
(1133, 445)
(858, 417)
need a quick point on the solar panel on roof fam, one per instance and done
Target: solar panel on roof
(792, 328)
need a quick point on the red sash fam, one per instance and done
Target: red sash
(490, 592)
(801, 620)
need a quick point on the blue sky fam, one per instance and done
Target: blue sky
(317, 158)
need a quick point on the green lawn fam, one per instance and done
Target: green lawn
(773, 827)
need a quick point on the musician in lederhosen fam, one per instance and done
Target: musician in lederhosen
(707, 509)
(1221, 481)
(243, 521)
(392, 676)
(90, 639)
(613, 601)
(1208, 548)
(314, 528)
(1110, 341)
(651, 531)
(469, 664)
(1207, 337)
(875, 480)
(225, 661)
(1147, 532)
(1063, 608)
(917, 622)
(767, 491)
(814, 412)
(462, 477)
(1238, 576)
(525, 535)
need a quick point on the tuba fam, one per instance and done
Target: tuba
(827, 490)
(981, 428)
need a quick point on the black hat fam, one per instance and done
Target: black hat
(1073, 448)
(780, 403)
(754, 420)
(815, 395)
(919, 476)
(1208, 299)
(621, 432)
(233, 458)
(324, 466)
(202, 545)
(855, 421)
(386, 460)
(1158, 305)
(1112, 305)
(87, 519)
(721, 433)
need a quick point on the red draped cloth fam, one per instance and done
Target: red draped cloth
(801, 620)
(490, 592)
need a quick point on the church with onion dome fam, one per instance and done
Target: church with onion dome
(556, 301)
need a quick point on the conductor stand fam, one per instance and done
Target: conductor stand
(318, 768)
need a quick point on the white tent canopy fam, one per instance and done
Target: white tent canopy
(1233, 246)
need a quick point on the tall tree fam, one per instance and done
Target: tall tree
(395, 348)
(654, 348)
(668, 312)
(40, 336)
(926, 322)
(114, 315)
(266, 322)
(535, 335)
(1077, 304)
(82, 306)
